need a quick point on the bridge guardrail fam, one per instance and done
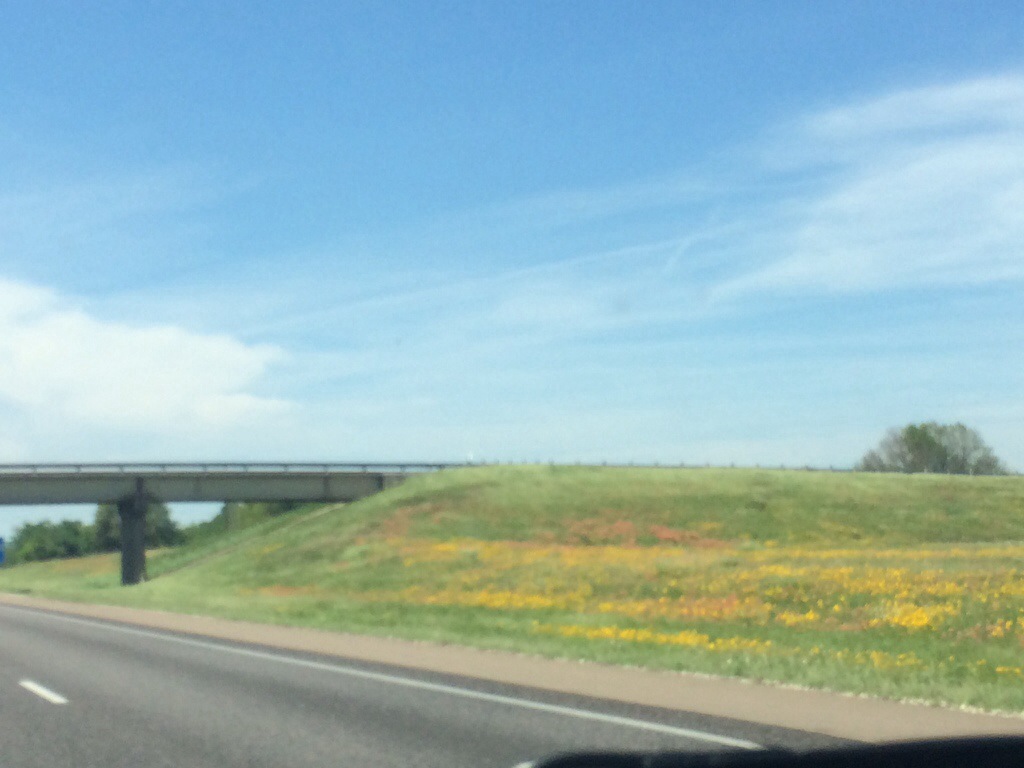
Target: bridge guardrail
(219, 467)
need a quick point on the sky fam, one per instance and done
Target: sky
(728, 233)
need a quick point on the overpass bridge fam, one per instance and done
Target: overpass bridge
(133, 487)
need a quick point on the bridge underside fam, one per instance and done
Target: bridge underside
(112, 487)
(132, 489)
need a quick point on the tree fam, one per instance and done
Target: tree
(951, 449)
(107, 528)
(47, 541)
(161, 530)
(237, 516)
(243, 514)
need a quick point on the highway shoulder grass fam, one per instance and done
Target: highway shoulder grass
(901, 586)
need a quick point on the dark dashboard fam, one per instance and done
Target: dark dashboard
(989, 752)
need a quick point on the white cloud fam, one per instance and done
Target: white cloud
(991, 102)
(929, 190)
(916, 188)
(103, 221)
(61, 363)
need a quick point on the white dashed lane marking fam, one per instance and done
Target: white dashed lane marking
(42, 692)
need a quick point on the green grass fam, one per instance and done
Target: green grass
(759, 505)
(903, 586)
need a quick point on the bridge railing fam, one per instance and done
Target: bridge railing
(219, 468)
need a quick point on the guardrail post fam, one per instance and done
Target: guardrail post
(132, 512)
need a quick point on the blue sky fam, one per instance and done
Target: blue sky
(731, 232)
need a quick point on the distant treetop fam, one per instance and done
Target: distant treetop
(949, 449)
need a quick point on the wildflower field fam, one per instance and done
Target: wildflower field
(943, 622)
(908, 587)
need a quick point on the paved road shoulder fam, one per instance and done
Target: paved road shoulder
(848, 717)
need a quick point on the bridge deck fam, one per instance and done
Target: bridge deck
(182, 482)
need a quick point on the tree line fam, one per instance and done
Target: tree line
(72, 538)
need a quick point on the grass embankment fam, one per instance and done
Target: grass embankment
(904, 586)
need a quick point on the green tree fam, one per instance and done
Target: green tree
(239, 515)
(161, 530)
(242, 514)
(107, 528)
(49, 541)
(951, 449)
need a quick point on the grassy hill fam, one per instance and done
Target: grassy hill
(895, 585)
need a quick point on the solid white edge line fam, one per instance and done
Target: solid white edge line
(381, 677)
(42, 692)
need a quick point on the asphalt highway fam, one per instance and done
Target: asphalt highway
(91, 694)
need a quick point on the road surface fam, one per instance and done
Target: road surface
(89, 693)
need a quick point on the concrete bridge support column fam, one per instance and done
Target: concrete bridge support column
(132, 512)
